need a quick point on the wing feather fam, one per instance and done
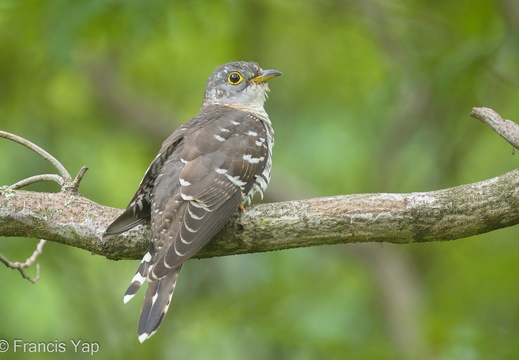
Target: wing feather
(214, 179)
(138, 210)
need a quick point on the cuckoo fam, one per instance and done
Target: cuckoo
(205, 170)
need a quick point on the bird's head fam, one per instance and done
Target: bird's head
(239, 83)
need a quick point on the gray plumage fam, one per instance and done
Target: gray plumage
(204, 171)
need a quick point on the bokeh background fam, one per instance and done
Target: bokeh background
(375, 97)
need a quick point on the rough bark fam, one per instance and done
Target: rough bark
(446, 214)
(68, 218)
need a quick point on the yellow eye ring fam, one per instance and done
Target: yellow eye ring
(235, 78)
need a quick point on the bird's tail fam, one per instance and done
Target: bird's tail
(141, 275)
(156, 303)
(158, 295)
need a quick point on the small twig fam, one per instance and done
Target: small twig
(63, 179)
(74, 185)
(507, 129)
(36, 178)
(28, 262)
(38, 150)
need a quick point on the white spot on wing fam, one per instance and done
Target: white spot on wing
(220, 171)
(218, 137)
(185, 242)
(196, 217)
(250, 159)
(184, 182)
(236, 180)
(200, 206)
(178, 253)
(252, 133)
(190, 230)
(186, 197)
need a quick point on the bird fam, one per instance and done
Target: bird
(205, 171)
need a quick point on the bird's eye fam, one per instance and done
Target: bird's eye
(235, 78)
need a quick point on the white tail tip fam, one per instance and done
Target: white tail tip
(127, 298)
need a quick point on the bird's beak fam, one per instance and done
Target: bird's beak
(266, 75)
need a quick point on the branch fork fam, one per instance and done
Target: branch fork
(64, 180)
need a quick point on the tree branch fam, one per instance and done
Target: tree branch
(65, 176)
(507, 129)
(68, 218)
(28, 262)
(63, 179)
(446, 214)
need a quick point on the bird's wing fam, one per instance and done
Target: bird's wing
(138, 210)
(203, 182)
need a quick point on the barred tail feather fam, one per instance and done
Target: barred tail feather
(141, 274)
(156, 303)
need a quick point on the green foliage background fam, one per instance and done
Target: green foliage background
(375, 97)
